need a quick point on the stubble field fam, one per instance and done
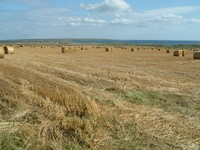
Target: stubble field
(93, 99)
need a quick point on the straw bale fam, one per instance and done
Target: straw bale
(1, 52)
(132, 49)
(9, 50)
(109, 49)
(68, 49)
(184, 53)
(168, 50)
(178, 53)
(196, 55)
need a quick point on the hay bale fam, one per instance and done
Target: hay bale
(184, 53)
(132, 49)
(168, 50)
(109, 49)
(178, 53)
(127, 48)
(1, 52)
(68, 50)
(196, 55)
(82, 48)
(43, 46)
(9, 50)
(86, 48)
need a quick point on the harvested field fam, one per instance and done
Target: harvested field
(98, 100)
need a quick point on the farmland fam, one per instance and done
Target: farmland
(92, 99)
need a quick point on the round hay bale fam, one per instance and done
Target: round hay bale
(1, 52)
(178, 53)
(127, 48)
(184, 53)
(132, 49)
(168, 50)
(9, 50)
(43, 46)
(196, 55)
(109, 49)
(68, 50)
(87, 47)
(82, 48)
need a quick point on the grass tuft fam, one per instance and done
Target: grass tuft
(9, 141)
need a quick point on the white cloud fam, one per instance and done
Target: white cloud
(78, 21)
(91, 20)
(167, 18)
(122, 21)
(156, 17)
(194, 20)
(170, 10)
(69, 21)
(108, 6)
(150, 21)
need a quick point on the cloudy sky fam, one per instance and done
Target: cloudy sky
(110, 19)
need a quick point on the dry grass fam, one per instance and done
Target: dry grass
(97, 100)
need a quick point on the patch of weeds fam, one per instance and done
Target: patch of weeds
(114, 89)
(169, 102)
(136, 97)
(9, 141)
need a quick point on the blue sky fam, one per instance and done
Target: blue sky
(110, 19)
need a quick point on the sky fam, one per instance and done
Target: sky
(100, 19)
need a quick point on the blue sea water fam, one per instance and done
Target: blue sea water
(163, 42)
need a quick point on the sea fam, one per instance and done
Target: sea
(159, 42)
(103, 41)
